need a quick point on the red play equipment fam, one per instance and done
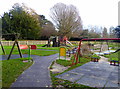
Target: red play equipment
(33, 47)
(78, 53)
(23, 46)
(26, 47)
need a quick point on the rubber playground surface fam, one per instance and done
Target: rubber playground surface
(94, 74)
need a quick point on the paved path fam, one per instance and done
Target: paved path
(94, 74)
(38, 74)
(57, 68)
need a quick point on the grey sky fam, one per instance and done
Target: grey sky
(92, 12)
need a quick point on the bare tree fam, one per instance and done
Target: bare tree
(104, 33)
(66, 19)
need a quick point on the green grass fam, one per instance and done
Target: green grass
(42, 52)
(94, 55)
(40, 45)
(33, 52)
(49, 48)
(65, 83)
(11, 69)
(64, 62)
(113, 56)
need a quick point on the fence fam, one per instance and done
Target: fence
(8, 43)
(31, 42)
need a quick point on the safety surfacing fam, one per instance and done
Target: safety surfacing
(94, 74)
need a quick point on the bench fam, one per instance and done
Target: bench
(114, 62)
(94, 59)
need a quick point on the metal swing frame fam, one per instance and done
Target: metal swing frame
(78, 54)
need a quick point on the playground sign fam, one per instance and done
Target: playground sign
(62, 52)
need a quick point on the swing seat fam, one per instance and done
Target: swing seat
(33, 47)
(23, 46)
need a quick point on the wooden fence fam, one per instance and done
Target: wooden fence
(31, 42)
(8, 43)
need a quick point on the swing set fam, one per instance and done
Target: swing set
(78, 54)
(19, 47)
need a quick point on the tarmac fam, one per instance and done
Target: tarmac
(37, 75)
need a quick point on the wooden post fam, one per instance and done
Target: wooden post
(18, 48)
(2, 48)
(16, 42)
(29, 52)
(11, 51)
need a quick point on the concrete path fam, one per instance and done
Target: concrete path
(57, 68)
(38, 74)
(94, 74)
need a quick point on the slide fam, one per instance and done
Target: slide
(69, 42)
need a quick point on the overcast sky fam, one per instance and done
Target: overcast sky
(92, 12)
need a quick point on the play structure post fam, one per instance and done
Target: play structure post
(19, 49)
(29, 52)
(78, 54)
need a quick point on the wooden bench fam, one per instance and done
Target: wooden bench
(114, 62)
(94, 59)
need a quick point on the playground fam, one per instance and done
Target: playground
(92, 63)
(102, 71)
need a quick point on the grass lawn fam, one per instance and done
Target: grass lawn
(65, 83)
(33, 52)
(49, 48)
(11, 69)
(40, 45)
(113, 56)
